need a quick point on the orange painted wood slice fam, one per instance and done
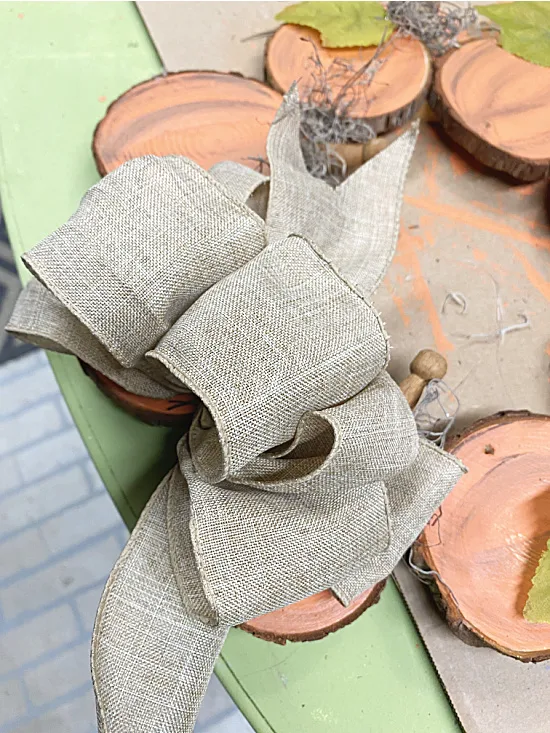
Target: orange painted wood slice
(398, 89)
(204, 115)
(496, 106)
(178, 410)
(313, 618)
(493, 528)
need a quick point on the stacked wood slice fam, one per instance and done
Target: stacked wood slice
(313, 618)
(206, 116)
(178, 410)
(496, 106)
(398, 89)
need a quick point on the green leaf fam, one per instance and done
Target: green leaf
(341, 24)
(537, 608)
(525, 28)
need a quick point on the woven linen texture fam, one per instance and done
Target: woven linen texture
(309, 341)
(354, 225)
(303, 470)
(151, 657)
(146, 241)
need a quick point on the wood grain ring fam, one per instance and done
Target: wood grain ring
(496, 106)
(207, 116)
(313, 618)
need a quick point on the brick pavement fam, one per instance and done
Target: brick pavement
(59, 538)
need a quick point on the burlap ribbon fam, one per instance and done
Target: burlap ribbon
(303, 470)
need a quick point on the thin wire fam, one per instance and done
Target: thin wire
(436, 24)
(423, 576)
(436, 411)
(458, 298)
(435, 521)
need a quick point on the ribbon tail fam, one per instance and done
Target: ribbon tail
(153, 650)
(355, 226)
(413, 495)
(371, 199)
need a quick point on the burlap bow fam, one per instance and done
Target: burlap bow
(303, 470)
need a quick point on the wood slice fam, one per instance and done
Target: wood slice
(178, 410)
(204, 115)
(492, 530)
(396, 94)
(496, 106)
(313, 618)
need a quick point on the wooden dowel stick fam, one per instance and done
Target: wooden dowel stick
(425, 366)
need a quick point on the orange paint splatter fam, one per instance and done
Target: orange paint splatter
(458, 164)
(426, 224)
(407, 256)
(548, 349)
(503, 272)
(478, 222)
(20, 16)
(399, 304)
(430, 172)
(102, 98)
(479, 255)
(501, 211)
(533, 275)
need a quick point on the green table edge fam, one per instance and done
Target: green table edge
(15, 183)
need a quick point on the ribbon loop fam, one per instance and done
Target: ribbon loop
(310, 342)
(145, 243)
(369, 437)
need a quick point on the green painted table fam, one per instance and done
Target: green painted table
(60, 65)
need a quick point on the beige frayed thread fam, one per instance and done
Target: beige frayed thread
(457, 298)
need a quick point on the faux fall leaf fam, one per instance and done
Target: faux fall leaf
(341, 24)
(537, 608)
(524, 28)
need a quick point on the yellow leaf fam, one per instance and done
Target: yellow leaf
(524, 28)
(341, 24)
(537, 608)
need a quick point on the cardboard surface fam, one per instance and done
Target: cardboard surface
(463, 230)
(211, 36)
(491, 693)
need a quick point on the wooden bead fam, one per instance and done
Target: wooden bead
(428, 364)
(425, 366)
